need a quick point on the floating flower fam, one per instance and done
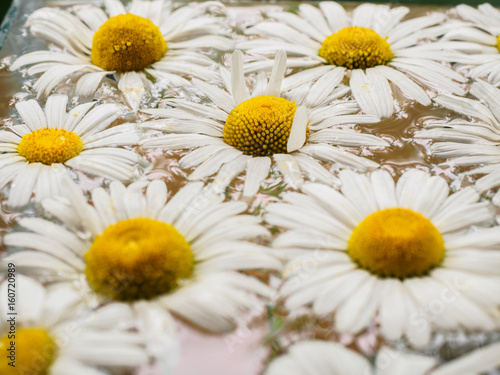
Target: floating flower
(147, 38)
(480, 38)
(372, 47)
(319, 357)
(51, 338)
(239, 131)
(467, 143)
(150, 255)
(405, 253)
(36, 152)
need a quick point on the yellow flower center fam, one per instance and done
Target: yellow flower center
(49, 146)
(32, 351)
(127, 42)
(498, 43)
(260, 126)
(137, 259)
(396, 242)
(356, 48)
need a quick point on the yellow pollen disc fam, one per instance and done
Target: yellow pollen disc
(137, 259)
(260, 126)
(34, 352)
(356, 48)
(498, 43)
(396, 242)
(50, 146)
(127, 42)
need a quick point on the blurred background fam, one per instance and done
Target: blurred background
(4, 7)
(5, 4)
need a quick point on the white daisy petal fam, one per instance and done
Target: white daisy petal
(213, 164)
(409, 187)
(346, 138)
(45, 56)
(49, 80)
(114, 7)
(228, 172)
(297, 22)
(277, 74)
(88, 83)
(31, 305)
(335, 15)
(305, 76)
(321, 89)
(297, 136)
(358, 189)
(334, 154)
(372, 92)
(315, 171)
(76, 115)
(97, 119)
(23, 185)
(239, 88)
(392, 310)
(32, 114)
(314, 16)
(176, 205)
(49, 246)
(257, 170)
(132, 86)
(406, 85)
(432, 77)
(289, 167)
(384, 189)
(219, 97)
(55, 110)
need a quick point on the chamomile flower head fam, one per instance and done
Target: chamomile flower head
(54, 334)
(372, 46)
(320, 357)
(52, 141)
(238, 131)
(148, 37)
(403, 253)
(479, 37)
(470, 143)
(151, 255)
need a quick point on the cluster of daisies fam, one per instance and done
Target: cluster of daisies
(277, 203)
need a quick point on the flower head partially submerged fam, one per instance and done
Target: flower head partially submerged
(356, 48)
(35, 351)
(260, 126)
(49, 146)
(396, 242)
(127, 42)
(137, 259)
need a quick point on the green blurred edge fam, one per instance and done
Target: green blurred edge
(9, 17)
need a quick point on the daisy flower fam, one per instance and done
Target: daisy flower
(149, 254)
(51, 142)
(470, 143)
(371, 46)
(400, 252)
(148, 37)
(319, 357)
(481, 38)
(50, 338)
(236, 131)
